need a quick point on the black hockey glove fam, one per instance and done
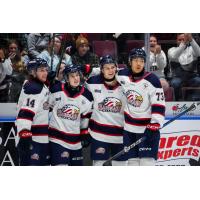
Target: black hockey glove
(85, 140)
(151, 131)
(25, 139)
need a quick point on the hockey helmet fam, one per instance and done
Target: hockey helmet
(72, 69)
(107, 59)
(36, 63)
(137, 53)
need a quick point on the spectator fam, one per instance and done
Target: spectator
(37, 42)
(56, 55)
(18, 75)
(5, 71)
(183, 61)
(158, 61)
(84, 57)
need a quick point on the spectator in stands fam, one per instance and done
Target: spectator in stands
(158, 61)
(183, 61)
(84, 57)
(5, 71)
(52, 56)
(37, 42)
(18, 74)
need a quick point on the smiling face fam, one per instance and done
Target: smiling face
(12, 48)
(180, 38)
(41, 74)
(109, 71)
(153, 41)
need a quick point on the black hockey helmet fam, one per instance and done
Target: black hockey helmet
(36, 63)
(137, 53)
(72, 69)
(107, 59)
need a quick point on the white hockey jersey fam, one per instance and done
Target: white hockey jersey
(70, 116)
(107, 120)
(33, 110)
(145, 101)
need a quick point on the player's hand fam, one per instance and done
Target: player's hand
(188, 37)
(2, 56)
(85, 140)
(157, 49)
(25, 139)
(151, 131)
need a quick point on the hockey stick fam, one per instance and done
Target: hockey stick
(63, 49)
(127, 149)
(52, 51)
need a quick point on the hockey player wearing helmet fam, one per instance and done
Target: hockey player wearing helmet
(144, 111)
(33, 114)
(71, 103)
(106, 123)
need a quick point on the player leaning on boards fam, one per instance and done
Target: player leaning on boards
(71, 103)
(106, 123)
(144, 111)
(33, 114)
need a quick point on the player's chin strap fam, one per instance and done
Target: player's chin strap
(127, 149)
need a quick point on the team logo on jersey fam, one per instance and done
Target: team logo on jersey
(145, 85)
(68, 111)
(46, 105)
(65, 154)
(100, 150)
(122, 82)
(35, 156)
(110, 104)
(134, 98)
(97, 91)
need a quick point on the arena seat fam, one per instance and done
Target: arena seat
(102, 48)
(169, 94)
(191, 93)
(130, 44)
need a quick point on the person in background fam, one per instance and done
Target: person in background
(5, 71)
(36, 43)
(183, 62)
(158, 61)
(84, 57)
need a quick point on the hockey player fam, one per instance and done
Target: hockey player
(144, 111)
(71, 105)
(32, 118)
(106, 123)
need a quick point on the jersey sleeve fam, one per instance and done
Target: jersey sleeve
(27, 110)
(87, 112)
(157, 101)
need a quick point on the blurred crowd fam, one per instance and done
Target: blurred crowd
(174, 58)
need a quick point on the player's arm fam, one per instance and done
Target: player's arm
(157, 101)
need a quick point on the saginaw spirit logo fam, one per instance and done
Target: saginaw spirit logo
(110, 104)
(180, 108)
(68, 111)
(134, 98)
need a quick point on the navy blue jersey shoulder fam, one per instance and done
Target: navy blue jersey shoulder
(95, 80)
(56, 87)
(154, 80)
(124, 72)
(33, 87)
(87, 94)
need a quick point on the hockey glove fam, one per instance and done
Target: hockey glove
(25, 139)
(151, 131)
(85, 140)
